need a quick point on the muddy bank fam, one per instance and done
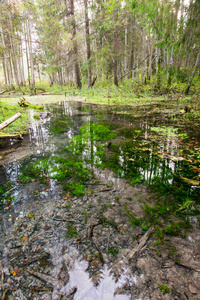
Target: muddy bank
(47, 249)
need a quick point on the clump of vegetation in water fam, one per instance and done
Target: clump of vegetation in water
(71, 231)
(169, 131)
(164, 288)
(67, 168)
(98, 132)
(113, 251)
(59, 126)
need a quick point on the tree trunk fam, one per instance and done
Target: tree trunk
(125, 48)
(115, 57)
(27, 56)
(193, 74)
(4, 62)
(75, 46)
(30, 51)
(87, 33)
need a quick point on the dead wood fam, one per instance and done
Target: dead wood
(95, 244)
(125, 259)
(92, 229)
(100, 253)
(141, 244)
(94, 80)
(9, 121)
(187, 267)
(2, 92)
(2, 284)
(105, 190)
(46, 279)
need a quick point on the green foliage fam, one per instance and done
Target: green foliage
(99, 132)
(109, 205)
(113, 251)
(59, 125)
(77, 188)
(134, 221)
(7, 110)
(71, 231)
(164, 288)
(36, 117)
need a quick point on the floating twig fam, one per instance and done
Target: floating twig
(105, 190)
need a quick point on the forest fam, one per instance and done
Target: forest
(100, 149)
(86, 43)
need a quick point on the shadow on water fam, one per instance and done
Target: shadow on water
(63, 154)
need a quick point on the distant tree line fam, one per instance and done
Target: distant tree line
(73, 41)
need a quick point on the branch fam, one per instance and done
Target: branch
(9, 121)
(137, 65)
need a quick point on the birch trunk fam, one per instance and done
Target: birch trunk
(9, 121)
(30, 48)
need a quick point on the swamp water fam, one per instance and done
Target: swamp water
(75, 200)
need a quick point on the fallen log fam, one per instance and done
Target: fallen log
(1, 93)
(9, 121)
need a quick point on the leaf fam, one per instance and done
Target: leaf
(25, 239)
(31, 215)
(95, 261)
(46, 227)
(16, 272)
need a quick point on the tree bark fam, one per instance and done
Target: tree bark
(9, 121)
(30, 51)
(87, 33)
(75, 46)
(193, 74)
(115, 57)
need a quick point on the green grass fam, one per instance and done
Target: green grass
(8, 108)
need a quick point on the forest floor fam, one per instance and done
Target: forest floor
(50, 237)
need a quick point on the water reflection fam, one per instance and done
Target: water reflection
(131, 152)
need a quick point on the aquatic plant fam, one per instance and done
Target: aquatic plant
(71, 231)
(164, 288)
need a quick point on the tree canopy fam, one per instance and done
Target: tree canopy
(73, 41)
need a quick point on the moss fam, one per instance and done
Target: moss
(164, 288)
(71, 231)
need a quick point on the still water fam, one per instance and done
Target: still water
(73, 165)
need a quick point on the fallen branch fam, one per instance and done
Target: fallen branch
(125, 259)
(105, 190)
(100, 253)
(141, 244)
(91, 238)
(187, 267)
(46, 279)
(2, 284)
(92, 228)
(2, 92)
(9, 121)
